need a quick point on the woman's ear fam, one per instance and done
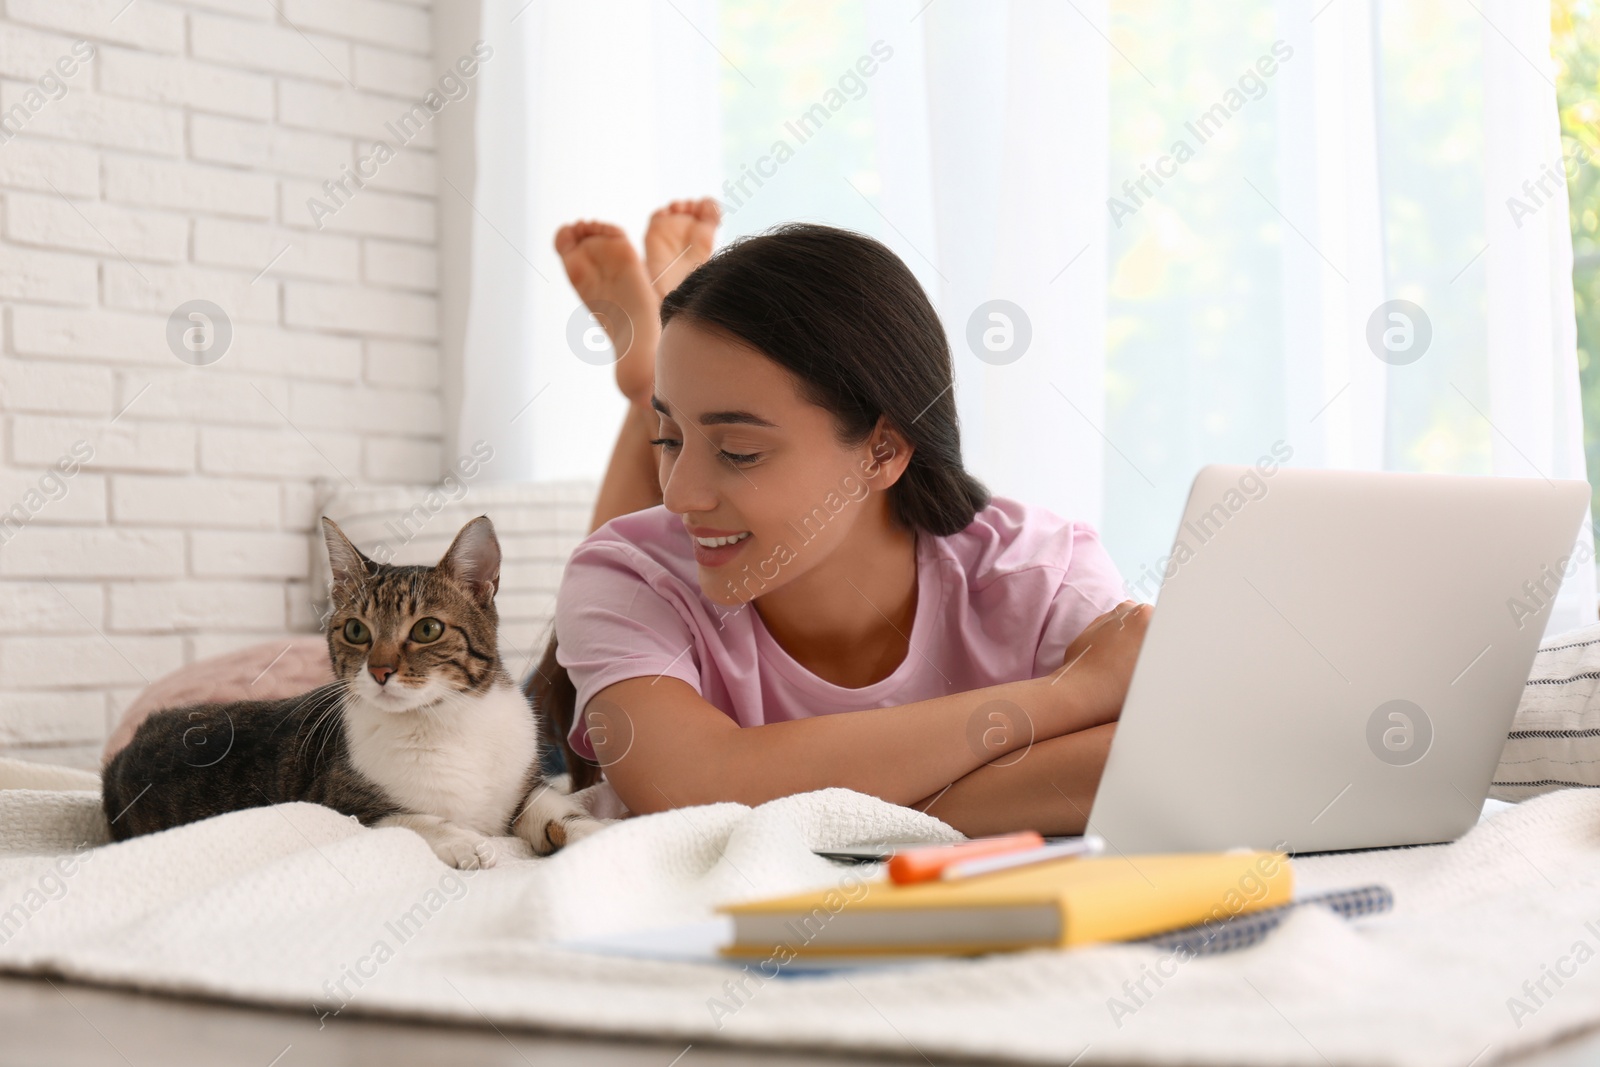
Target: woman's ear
(888, 455)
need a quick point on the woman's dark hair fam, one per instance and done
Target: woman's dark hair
(848, 319)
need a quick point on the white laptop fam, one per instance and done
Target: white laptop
(1334, 659)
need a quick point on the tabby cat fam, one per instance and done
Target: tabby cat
(423, 729)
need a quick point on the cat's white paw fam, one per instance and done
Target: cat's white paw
(462, 848)
(453, 843)
(582, 827)
(552, 820)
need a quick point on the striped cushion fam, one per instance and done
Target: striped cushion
(1555, 739)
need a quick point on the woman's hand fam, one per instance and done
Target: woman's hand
(1050, 784)
(1099, 662)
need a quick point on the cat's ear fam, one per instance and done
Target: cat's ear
(344, 559)
(474, 559)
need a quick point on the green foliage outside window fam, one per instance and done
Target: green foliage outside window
(1575, 44)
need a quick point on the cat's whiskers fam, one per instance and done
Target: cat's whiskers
(301, 724)
(384, 709)
(341, 705)
(453, 700)
(332, 717)
(424, 708)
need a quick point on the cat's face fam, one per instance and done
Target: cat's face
(405, 637)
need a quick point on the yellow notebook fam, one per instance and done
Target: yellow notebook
(1057, 903)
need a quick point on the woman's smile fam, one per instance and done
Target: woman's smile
(715, 549)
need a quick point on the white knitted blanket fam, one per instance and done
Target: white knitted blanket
(1490, 947)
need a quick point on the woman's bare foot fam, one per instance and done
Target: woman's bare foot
(603, 267)
(678, 240)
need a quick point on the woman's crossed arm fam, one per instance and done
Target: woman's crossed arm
(1025, 753)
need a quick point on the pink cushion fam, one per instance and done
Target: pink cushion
(271, 670)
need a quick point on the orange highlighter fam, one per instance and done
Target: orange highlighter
(926, 864)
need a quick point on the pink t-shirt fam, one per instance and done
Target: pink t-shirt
(997, 602)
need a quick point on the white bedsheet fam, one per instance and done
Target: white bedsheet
(299, 906)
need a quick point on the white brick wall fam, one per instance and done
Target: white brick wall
(175, 166)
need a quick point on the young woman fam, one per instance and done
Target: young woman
(802, 586)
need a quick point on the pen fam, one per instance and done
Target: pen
(925, 864)
(1087, 845)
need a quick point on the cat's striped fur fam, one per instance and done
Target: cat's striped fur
(423, 729)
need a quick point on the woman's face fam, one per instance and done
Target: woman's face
(745, 457)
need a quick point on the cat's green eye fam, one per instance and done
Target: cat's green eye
(427, 630)
(355, 631)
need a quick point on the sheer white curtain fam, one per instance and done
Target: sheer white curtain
(1000, 150)
(1531, 331)
(1500, 377)
(1337, 156)
(599, 110)
(1341, 156)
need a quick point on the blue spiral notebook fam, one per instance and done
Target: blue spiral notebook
(1245, 930)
